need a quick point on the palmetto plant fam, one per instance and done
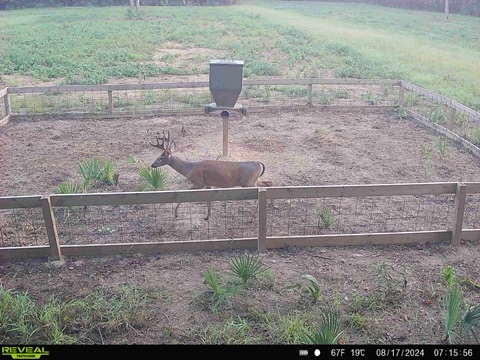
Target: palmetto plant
(326, 218)
(155, 178)
(246, 267)
(90, 170)
(452, 306)
(442, 146)
(471, 321)
(93, 170)
(220, 293)
(68, 187)
(329, 331)
(455, 321)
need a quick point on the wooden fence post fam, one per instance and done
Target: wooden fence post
(310, 94)
(401, 94)
(6, 101)
(262, 220)
(110, 101)
(451, 118)
(459, 211)
(55, 252)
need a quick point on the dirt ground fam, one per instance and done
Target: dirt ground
(298, 148)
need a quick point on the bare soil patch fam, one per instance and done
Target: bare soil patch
(298, 148)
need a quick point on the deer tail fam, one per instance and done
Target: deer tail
(263, 168)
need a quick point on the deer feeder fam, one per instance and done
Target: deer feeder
(226, 77)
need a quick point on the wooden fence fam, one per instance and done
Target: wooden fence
(444, 115)
(454, 231)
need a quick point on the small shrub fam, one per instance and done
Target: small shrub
(328, 332)
(220, 293)
(452, 306)
(427, 159)
(442, 146)
(246, 267)
(438, 116)
(155, 178)
(475, 136)
(95, 171)
(68, 187)
(325, 219)
(313, 287)
(400, 112)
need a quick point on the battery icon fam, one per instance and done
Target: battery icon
(303, 352)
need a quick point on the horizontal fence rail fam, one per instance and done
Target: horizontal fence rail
(264, 218)
(441, 113)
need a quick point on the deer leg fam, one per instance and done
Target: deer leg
(208, 205)
(194, 187)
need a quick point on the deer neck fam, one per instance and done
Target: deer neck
(181, 166)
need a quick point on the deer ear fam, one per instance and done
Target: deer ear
(168, 152)
(172, 146)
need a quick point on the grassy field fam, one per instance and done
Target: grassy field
(294, 39)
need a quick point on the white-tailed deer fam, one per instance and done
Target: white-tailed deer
(208, 173)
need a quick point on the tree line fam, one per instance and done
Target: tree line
(19, 4)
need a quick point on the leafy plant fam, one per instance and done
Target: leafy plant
(220, 293)
(475, 136)
(69, 187)
(442, 146)
(448, 275)
(94, 170)
(155, 178)
(427, 159)
(91, 171)
(246, 267)
(313, 287)
(328, 332)
(438, 115)
(400, 112)
(326, 218)
(319, 131)
(471, 320)
(452, 306)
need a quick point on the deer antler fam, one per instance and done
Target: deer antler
(158, 145)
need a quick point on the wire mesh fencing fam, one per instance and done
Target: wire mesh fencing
(126, 218)
(156, 222)
(459, 119)
(22, 227)
(127, 99)
(327, 94)
(370, 214)
(471, 219)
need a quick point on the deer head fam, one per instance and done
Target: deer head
(167, 146)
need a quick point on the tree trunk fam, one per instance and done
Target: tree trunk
(447, 10)
(135, 3)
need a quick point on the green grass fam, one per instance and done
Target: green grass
(274, 38)
(56, 321)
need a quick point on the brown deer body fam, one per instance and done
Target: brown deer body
(208, 173)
